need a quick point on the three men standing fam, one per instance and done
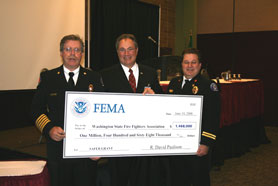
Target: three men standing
(126, 77)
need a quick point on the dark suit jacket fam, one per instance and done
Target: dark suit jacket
(114, 80)
(47, 109)
(132, 170)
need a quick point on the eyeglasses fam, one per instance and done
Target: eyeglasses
(123, 50)
(69, 50)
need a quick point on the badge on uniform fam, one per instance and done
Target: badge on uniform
(53, 94)
(213, 87)
(195, 90)
(91, 88)
(171, 90)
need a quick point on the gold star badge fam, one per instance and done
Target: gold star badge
(195, 90)
(91, 88)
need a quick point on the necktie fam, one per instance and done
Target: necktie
(186, 84)
(71, 82)
(132, 81)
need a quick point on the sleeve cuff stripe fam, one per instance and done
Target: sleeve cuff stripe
(39, 122)
(42, 125)
(209, 136)
(42, 121)
(41, 117)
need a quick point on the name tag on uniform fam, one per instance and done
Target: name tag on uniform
(53, 94)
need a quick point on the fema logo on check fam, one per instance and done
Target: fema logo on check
(80, 107)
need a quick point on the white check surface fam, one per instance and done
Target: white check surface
(116, 124)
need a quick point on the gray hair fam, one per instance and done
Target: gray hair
(126, 36)
(71, 37)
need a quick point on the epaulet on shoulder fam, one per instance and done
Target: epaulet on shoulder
(176, 79)
(89, 69)
(55, 70)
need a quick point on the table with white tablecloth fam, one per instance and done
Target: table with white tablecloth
(24, 172)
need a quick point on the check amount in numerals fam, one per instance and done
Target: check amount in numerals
(183, 126)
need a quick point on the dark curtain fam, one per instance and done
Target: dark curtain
(15, 112)
(109, 19)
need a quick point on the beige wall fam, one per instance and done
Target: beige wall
(215, 16)
(256, 15)
(218, 16)
(30, 34)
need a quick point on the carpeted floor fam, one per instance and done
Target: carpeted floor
(256, 168)
(25, 140)
(259, 167)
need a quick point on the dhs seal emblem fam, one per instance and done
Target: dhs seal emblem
(80, 107)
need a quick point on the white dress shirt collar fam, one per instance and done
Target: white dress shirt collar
(135, 70)
(183, 81)
(76, 73)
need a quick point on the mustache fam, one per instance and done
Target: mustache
(72, 58)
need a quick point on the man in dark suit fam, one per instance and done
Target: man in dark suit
(128, 77)
(47, 110)
(116, 78)
(195, 168)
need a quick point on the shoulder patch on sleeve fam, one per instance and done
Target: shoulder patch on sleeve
(213, 87)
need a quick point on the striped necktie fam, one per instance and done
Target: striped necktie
(132, 81)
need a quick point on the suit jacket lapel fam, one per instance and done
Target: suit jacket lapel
(180, 82)
(140, 86)
(179, 89)
(80, 78)
(61, 76)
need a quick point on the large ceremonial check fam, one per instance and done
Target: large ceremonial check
(122, 124)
